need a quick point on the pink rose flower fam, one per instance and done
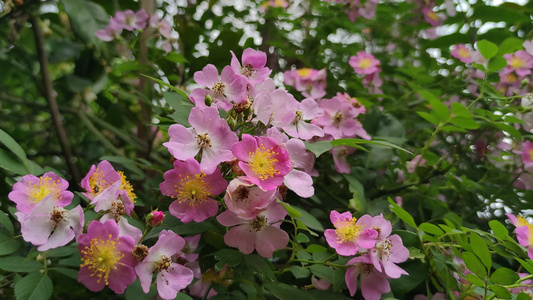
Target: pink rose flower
(349, 233)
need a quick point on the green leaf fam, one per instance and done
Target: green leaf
(304, 255)
(354, 142)
(318, 148)
(523, 296)
(135, 292)
(323, 272)
(473, 279)
(6, 222)
(499, 13)
(176, 57)
(180, 91)
(302, 238)
(479, 247)
(504, 276)
(460, 110)
(12, 145)
(300, 272)
(525, 264)
(430, 228)
(230, 257)
(474, 264)
(440, 108)
(496, 63)
(510, 45)
(498, 229)
(429, 117)
(260, 266)
(86, 18)
(402, 214)
(71, 273)
(314, 248)
(308, 219)
(500, 291)
(463, 122)
(285, 291)
(35, 286)
(19, 264)
(8, 162)
(339, 282)
(8, 245)
(292, 211)
(487, 49)
(355, 186)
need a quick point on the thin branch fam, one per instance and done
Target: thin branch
(50, 96)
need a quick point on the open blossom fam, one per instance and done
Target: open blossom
(245, 199)
(130, 20)
(31, 190)
(291, 115)
(263, 160)
(209, 135)
(253, 65)
(262, 232)
(106, 258)
(349, 233)
(161, 25)
(171, 276)
(310, 82)
(373, 283)
(192, 188)
(49, 226)
(520, 62)
(103, 176)
(340, 153)
(524, 232)
(338, 119)
(112, 31)
(432, 17)
(527, 154)
(364, 63)
(226, 88)
(462, 53)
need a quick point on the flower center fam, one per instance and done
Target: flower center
(247, 70)
(304, 72)
(511, 77)
(192, 189)
(43, 188)
(517, 63)
(366, 268)
(140, 252)
(97, 182)
(298, 117)
(337, 118)
(241, 193)
(355, 102)
(347, 230)
(262, 163)
(433, 16)
(101, 257)
(117, 210)
(259, 222)
(57, 215)
(163, 264)
(365, 63)
(463, 52)
(219, 88)
(203, 140)
(126, 186)
(383, 249)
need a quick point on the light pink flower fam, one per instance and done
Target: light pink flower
(349, 233)
(414, 163)
(49, 226)
(192, 188)
(161, 25)
(373, 283)
(130, 20)
(253, 65)
(520, 62)
(387, 253)
(524, 232)
(462, 53)
(100, 178)
(320, 284)
(106, 258)
(364, 63)
(263, 160)
(262, 232)
(291, 115)
(311, 83)
(112, 31)
(226, 88)
(171, 277)
(263, 93)
(31, 190)
(528, 45)
(432, 17)
(340, 153)
(338, 119)
(246, 200)
(209, 135)
(527, 154)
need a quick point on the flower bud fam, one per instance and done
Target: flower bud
(155, 218)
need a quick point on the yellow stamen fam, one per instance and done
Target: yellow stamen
(126, 186)
(43, 188)
(517, 63)
(347, 230)
(262, 163)
(365, 63)
(304, 72)
(193, 189)
(101, 257)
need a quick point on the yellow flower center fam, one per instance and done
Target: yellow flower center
(304, 72)
(463, 52)
(262, 163)
(433, 15)
(192, 189)
(126, 186)
(511, 77)
(531, 154)
(516, 62)
(347, 230)
(97, 182)
(163, 264)
(219, 88)
(365, 63)
(43, 188)
(101, 257)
